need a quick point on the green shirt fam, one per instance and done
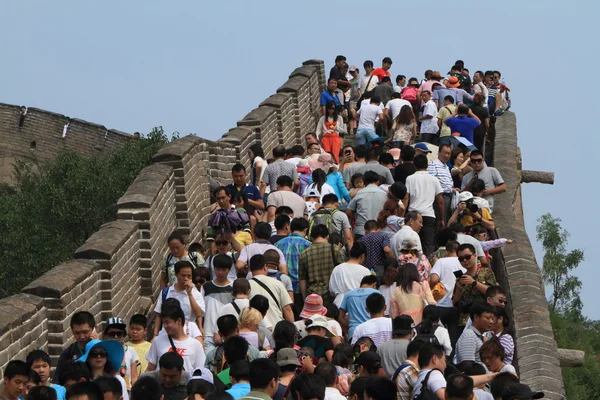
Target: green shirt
(224, 377)
(255, 395)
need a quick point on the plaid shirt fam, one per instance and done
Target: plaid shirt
(292, 246)
(406, 380)
(316, 265)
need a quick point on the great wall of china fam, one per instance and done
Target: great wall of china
(116, 272)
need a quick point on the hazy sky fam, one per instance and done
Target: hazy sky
(198, 66)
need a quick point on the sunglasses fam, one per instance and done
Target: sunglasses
(476, 160)
(115, 334)
(98, 354)
(465, 258)
(500, 300)
(404, 251)
(221, 242)
(199, 281)
(347, 151)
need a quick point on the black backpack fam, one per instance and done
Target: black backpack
(426, 393)
(427, 338)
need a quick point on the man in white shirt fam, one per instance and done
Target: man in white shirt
(329, 373)
(428, 118)
(413, 222)
(393, 107)
(424, 190)
(368, 115)
(176, 340)
(440, 170)
(379, 327)
(479, 86)
(432, 361)
(347, 276)
(192, 302)
(368, 81)
(445, 270)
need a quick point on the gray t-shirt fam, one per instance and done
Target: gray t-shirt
(378, 169)
(393, 354)
(367, 203)
(490, 176)
(340, 221)
(290, 199)
(277, 169)
(350, 170)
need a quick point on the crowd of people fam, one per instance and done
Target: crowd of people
(329, 271)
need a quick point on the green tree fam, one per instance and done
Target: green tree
(558, 265)
(53, 208)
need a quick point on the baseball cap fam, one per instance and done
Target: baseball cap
(520, 391)
(369, 360)
(115, 322)
(465, 196)
(402, 325)
(422, 146)
(352, 68)
(319, 321)
(313, 192)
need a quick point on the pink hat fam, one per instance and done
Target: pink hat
(395, 152)
(323, 161)
(313, 305)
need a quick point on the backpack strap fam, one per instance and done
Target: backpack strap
(164, 293)
(398, 370)
(236, 307)
(267, 290)
(424, 383)
(333, 256)
(172, 344)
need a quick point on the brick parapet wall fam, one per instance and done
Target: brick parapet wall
(517, 269)
(116, 272)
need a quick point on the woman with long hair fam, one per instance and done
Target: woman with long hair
(404, 127)
(410, 294)
(329, 128)
(257, 160)
(502, 328)
(319, 183)
(457, 165)
(388, 282)
(389, 219)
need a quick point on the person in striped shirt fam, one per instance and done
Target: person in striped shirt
(379, 327)
(440, 170)
(469, 343)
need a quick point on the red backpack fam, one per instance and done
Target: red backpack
(409, 94)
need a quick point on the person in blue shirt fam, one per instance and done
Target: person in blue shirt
(355, 304)
(240, 375)
(238, 174)
(464, 122)
(39, 361)
(331, 94)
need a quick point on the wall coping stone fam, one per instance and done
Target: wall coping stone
(61, 279)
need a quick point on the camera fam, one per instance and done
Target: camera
(472, 207)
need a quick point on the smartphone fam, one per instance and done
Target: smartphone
(458, 273)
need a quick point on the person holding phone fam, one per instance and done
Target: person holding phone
(448, 270)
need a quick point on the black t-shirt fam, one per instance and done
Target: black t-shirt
(319, 344)
(335, 73)
(481, 113)
(276, 238)
(403, 171)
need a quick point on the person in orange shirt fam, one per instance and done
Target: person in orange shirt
(386, 64)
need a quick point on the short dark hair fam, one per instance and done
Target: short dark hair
(138, 319)
(414, 347)
(257, 262)
(466, 246)
(327, 371)
(272, 257)
(368, 64)
(262, 372)
(385, 79)
(261, 303)
(476, 153)
(407, 153)
(300, 224)
(411, 216)
(171, 360)
(319, 231)
(74, 371)
(370, 225)
(442, 145)
(459, 387)
(471, 368)
(452, 246)
(83, 317)
(358, 386)
(463, 109)
(500, 381)
(279, 151)
(176, 236)
(307, 386)
(368, 280)
(375, 303)
(238, 168)
(287, 210)
(222, 261)
(477, 186)
(494, 291)
(386, 60)
(386, 158)
(358, 249)
(420, 161)
(174, 313)
(262, 230)
(17, 367)
(360, 151)
(235, 348)
(371, 177)
(93, 391)
(340, 58)
(297, 150)
(146, 388)
(44, 393)
(219, 190)
(381, 388)
(179, 265)
(444, 236)
(400, 77)
(479, 308)
(227, 324)
(37, 355)
(398, 190)
(427, 353)
(285, 181)
(449, 98)
(110, 384)
(240, 370)
(240, 286)
(281, 221)
(201, 387)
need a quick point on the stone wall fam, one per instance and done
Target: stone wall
(40, 137)
(116, 272)
(515, 266)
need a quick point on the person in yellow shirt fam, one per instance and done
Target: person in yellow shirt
(468, 213)
(137, 340)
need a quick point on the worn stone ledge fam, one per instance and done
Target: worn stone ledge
(103, 244)
(61, 279)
